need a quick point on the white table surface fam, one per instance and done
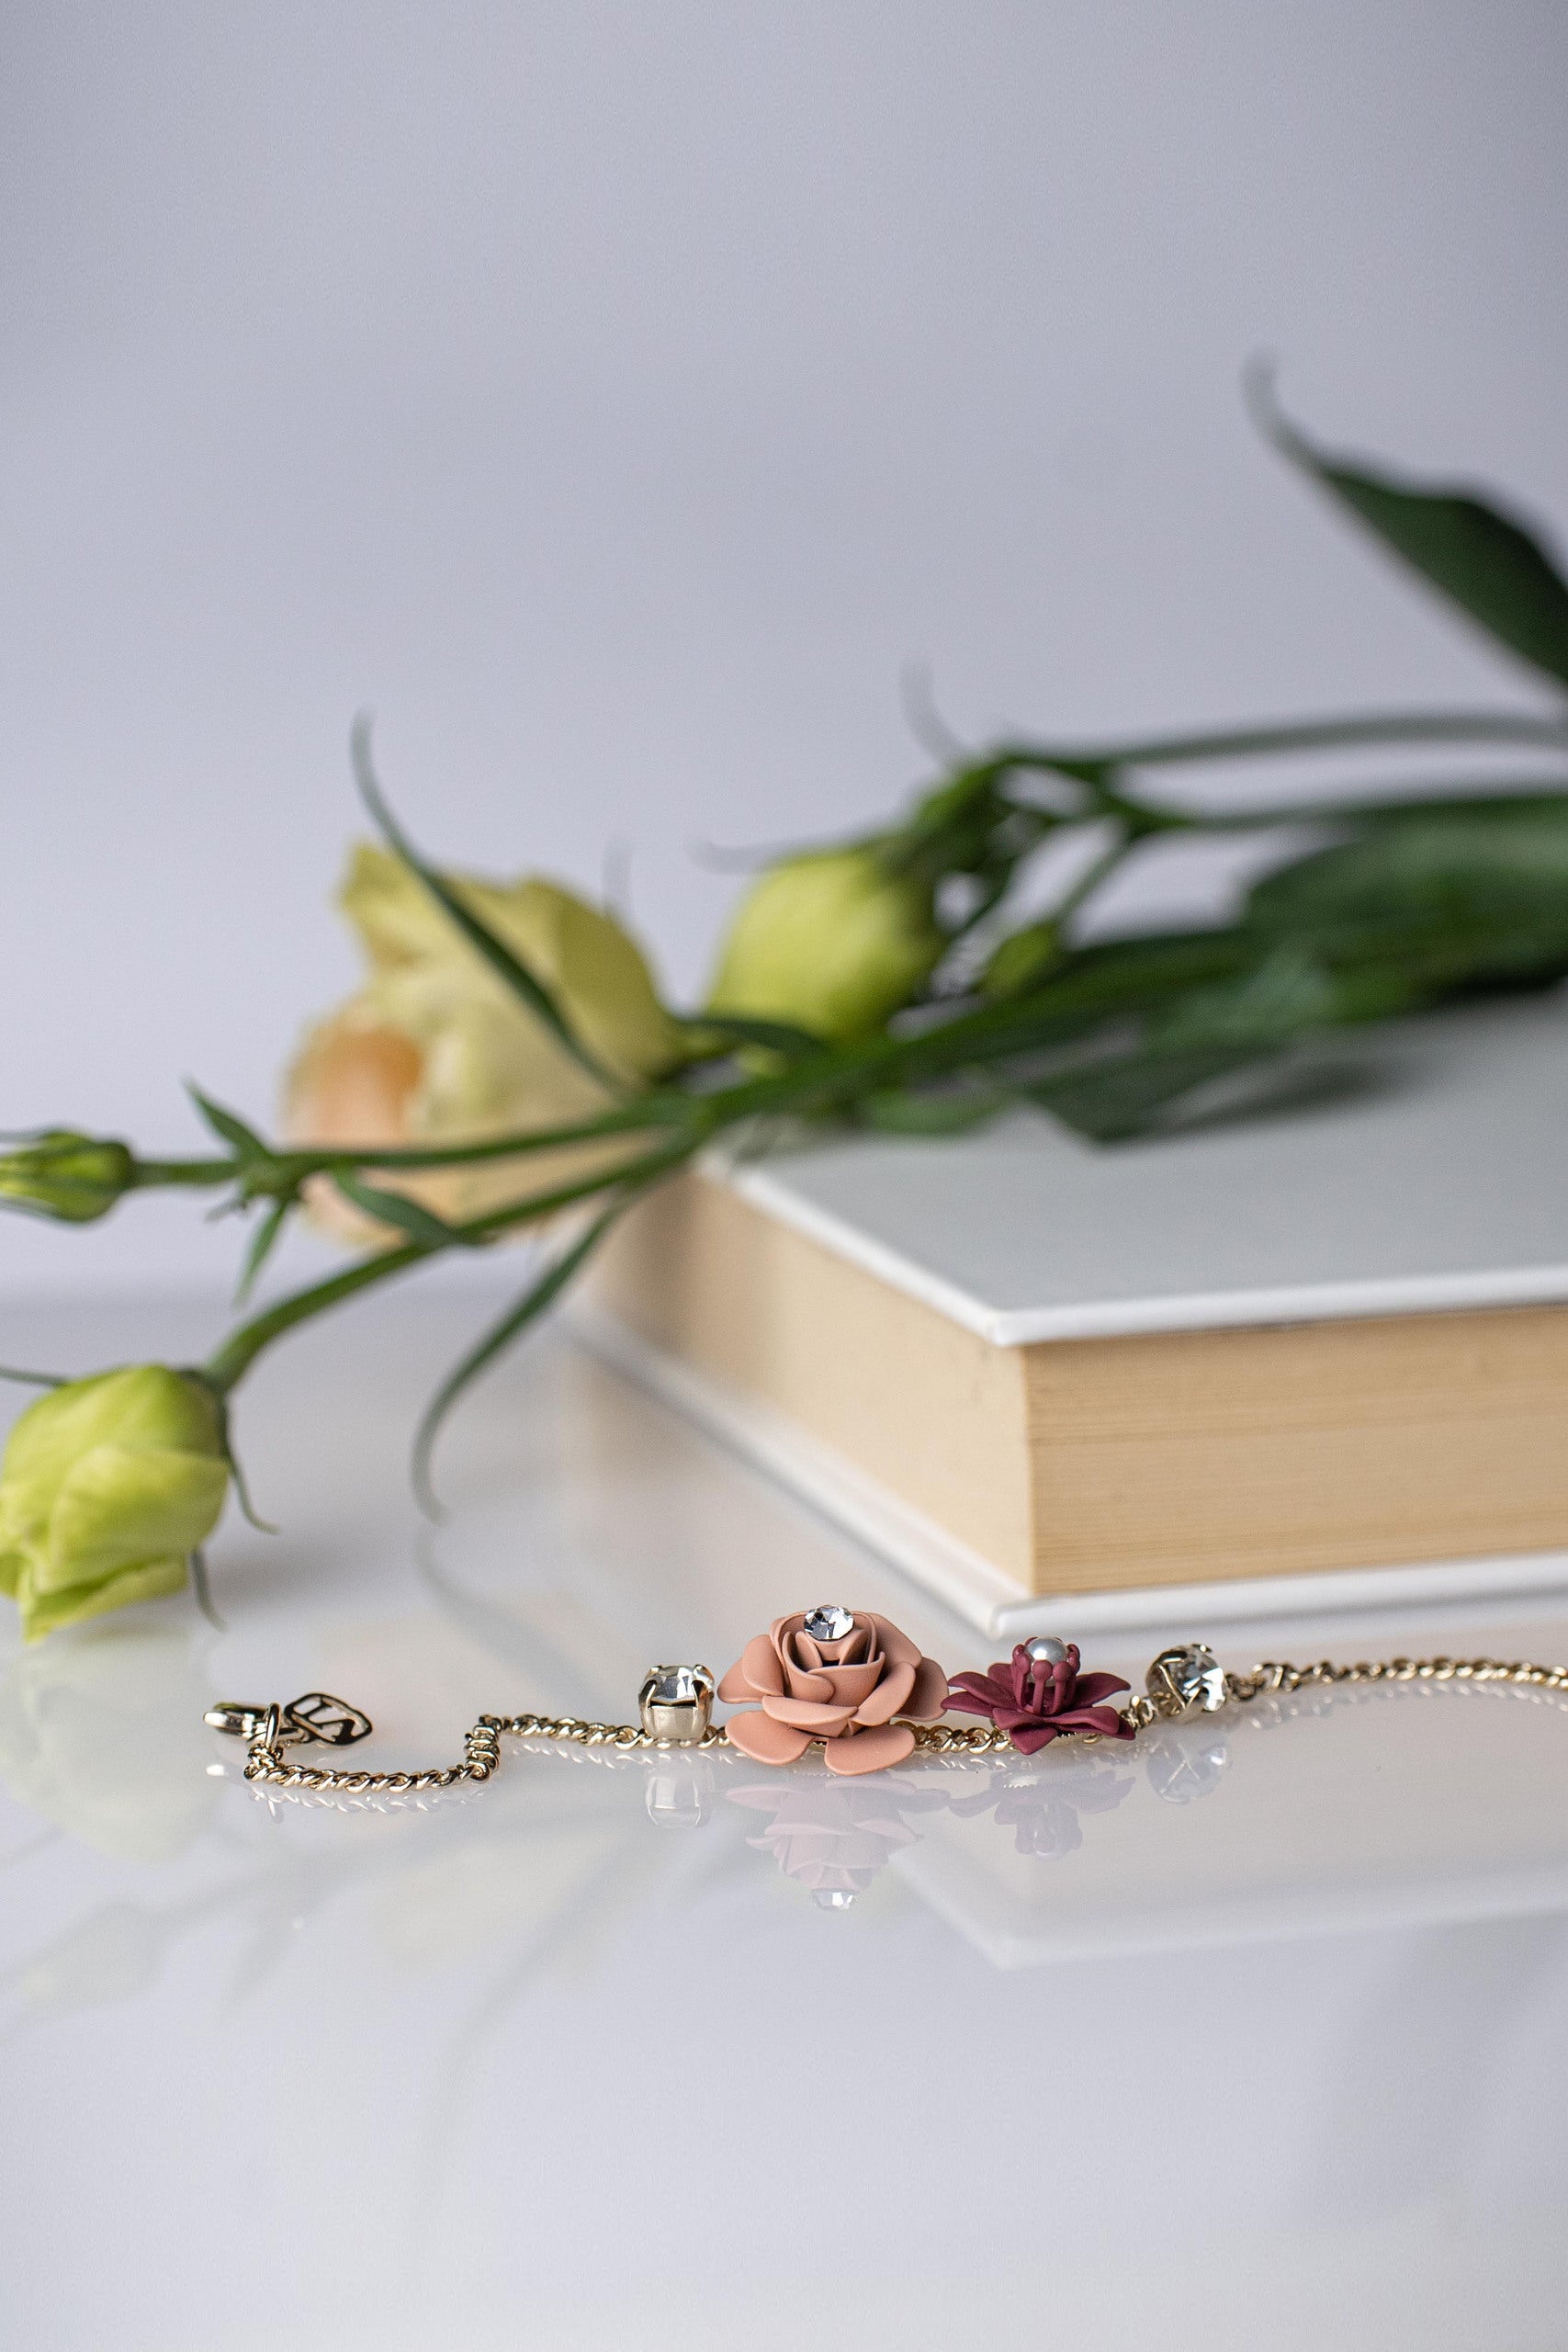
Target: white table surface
(1257, 2033)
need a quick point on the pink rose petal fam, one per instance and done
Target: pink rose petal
(801, 1685)
(888, 1696)
(871, 1751)
(760, 1661)
(808, 1715)
(929, 1697)
(896, 1648)
(854, 1683)
(765, 1741)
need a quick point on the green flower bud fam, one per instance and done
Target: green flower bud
(830, 941)
(106, 1486)
(59, 1174)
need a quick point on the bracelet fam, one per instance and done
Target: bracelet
(851, 1682)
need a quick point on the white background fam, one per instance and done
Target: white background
(616, 397)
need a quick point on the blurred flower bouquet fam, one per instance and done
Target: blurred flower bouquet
(509, 1068)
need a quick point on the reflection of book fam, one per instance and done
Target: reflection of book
(1335, 1338)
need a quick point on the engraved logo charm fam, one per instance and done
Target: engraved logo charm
(318, 1715)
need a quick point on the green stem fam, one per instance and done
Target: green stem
(289, 1170)
(1096, 871)
(643, 1117)
(1087, 987)
(1289, 735)
(146, 1173)
(230, 1361)
(1539, 792)
(822, 1082)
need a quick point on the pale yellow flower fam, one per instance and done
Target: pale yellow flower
(434, 1049)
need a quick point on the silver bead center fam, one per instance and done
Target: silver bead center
(1046, 1650)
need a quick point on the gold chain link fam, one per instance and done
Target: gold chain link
(267, 1763)
(1281, 1676)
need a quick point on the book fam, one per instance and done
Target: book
(1320, 1352)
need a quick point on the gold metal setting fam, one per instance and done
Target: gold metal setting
(676, 1704)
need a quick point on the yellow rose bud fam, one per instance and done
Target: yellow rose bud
(830, 941)
(434, 1049)
(589, 963)
(106, 1486)
(64, 1175)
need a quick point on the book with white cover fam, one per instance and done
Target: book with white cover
(1324, 1347)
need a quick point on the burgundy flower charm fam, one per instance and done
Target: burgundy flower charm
(1037, 1697)
(836, 1676)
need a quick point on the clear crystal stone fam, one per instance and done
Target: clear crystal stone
(1200, 1677)
(830, 1623)
(680, 1686)
(1046, 1650)
(834, 1898)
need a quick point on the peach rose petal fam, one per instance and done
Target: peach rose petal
(896, 1648)
(888, 1696)
(759, 1663)
(802, 1685)
(869, 1751)
(854, 1683)
(807, 1714)
(929, 1697)
(737, 1689)
(765, 1741)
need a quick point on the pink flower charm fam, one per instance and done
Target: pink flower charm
(830, 1675)
(1037, 1697)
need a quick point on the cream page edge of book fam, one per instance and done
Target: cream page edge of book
(939, 1564)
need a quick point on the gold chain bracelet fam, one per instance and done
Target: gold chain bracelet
(832, 1678)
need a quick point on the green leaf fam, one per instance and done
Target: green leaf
(540, 1294)
(1123, 1096)
(496, 953)
(1212, 1032)
(225, 1442)
(950, 1112)
(262, 1243)
(241, 1488)
(403, 1215)
(739, 1029)
(1024, 958)
(227, 1127)
(1282, 998)
(201, 1586)
(1488, 562)
(1503, 869)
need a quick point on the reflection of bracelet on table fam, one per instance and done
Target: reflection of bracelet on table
(852, 1683)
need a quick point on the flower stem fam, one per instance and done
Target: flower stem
(817, 1083)
(230, 1361)
(147, 1174)
(1290, 735)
